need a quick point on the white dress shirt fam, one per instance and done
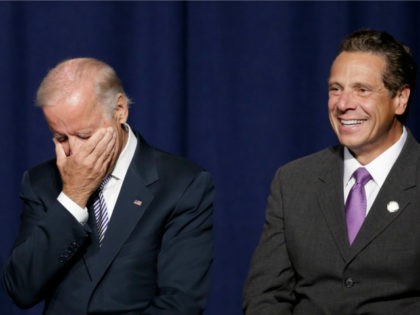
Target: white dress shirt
(112, 188)
(379, 169)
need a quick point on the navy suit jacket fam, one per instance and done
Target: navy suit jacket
(304, 264)
(155, 257)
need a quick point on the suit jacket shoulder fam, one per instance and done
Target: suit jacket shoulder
(313, 165)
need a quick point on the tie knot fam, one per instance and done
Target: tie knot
(104, 182)
(362, 176)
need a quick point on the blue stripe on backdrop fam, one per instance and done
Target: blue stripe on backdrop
(239, 87)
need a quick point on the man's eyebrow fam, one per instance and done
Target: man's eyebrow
(57, 134)
(84, 133)
(333, 83)
(366, 85)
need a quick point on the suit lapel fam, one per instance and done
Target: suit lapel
(331, 198)
(397, 187)
(132, 202)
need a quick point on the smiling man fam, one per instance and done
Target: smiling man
(363, 112)
(111, 225)
(342, 229)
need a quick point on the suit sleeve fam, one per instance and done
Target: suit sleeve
(186, 253)
(269, 287)
(48, 241)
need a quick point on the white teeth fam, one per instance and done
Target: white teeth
(351, 122)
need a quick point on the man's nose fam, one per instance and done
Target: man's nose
(69, 145)
(345, 101)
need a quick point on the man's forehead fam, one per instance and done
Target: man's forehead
(73, 125)
(360, 64)
(361, 58)
(72, 96)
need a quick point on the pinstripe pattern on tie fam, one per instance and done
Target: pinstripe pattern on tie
(100, 210)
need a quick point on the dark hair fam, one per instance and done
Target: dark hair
(400, 70)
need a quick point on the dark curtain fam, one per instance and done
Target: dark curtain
(238, 87)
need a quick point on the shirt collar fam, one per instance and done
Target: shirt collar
(379, 167)
(126, 155)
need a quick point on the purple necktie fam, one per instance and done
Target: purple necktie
(356, 203)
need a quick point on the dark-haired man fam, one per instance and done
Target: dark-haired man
(342, 233)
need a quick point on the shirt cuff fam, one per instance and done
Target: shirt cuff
(80, 214)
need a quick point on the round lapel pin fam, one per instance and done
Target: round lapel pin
(392, 206)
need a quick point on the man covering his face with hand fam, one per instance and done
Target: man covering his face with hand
(112, 225)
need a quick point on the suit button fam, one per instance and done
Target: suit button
(349, 282)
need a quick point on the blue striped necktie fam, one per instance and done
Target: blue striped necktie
(101, 212)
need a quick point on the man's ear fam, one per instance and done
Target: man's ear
(121, 111)
(401, 100)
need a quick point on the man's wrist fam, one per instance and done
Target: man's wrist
(79, 213)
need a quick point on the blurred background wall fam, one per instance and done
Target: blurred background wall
(238, 87)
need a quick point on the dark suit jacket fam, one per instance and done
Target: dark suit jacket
(155, 257)
(304, 264)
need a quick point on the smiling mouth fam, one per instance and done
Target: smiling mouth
(351, 122)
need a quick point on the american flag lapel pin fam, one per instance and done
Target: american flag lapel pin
(137, 202)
